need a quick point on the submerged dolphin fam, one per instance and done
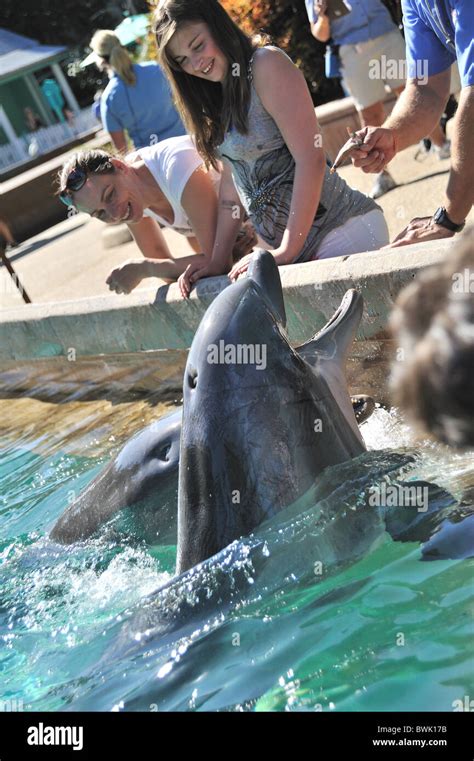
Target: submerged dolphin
(145, 471)
(144, 474)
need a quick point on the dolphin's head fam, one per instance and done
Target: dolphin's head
(240, 324)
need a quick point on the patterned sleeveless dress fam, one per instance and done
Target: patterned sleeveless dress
(263, 171)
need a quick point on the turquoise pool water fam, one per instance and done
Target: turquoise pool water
(385, 632)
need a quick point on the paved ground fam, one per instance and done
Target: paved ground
(69, 261)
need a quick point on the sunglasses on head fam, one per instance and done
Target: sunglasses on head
(75, 181)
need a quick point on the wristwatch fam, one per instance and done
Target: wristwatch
(441, 218)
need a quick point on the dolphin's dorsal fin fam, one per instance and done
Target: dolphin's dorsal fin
(263, 270)
(334, 340)
(327, 351)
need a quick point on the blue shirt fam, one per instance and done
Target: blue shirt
(367, 20)
(440, 32)
(145, 110)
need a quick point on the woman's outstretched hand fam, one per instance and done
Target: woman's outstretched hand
(125, 278)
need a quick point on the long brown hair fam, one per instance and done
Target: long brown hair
(106, 44)
(208, 109)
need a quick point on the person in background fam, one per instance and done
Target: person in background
(160, 185)
(53, 94)
(365, 32)
(433, 322)
(137, 98)
(8, 241)
(32, 120)
(441, 39)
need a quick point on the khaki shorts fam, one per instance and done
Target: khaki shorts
(371, 68)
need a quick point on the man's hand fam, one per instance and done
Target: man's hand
(125, 278)
(194, 272)
(420, 230)
(378, 149)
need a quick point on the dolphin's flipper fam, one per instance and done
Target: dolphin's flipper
(327, 351)
(263, 270)
(336, 336)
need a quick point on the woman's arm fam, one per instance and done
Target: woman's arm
(321, 30)
(295, 117)
(157, 261)
(119, 140)
(199, 201)
(229, 221)
(194, 243)
(149, 239)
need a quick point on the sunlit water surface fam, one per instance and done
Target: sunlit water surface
(386, 632)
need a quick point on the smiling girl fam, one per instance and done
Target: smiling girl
(250, 108)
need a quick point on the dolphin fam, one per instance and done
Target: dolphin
(143, 477)
(261, 420)
(144, 473)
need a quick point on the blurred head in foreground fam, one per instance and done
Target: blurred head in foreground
(433, 320)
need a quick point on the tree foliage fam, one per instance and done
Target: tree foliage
(64, 22)
(286, 22)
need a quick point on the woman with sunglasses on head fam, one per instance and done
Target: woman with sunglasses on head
(166, 185)
(250, 107)
(137, 98)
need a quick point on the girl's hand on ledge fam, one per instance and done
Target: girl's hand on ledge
(240, 267)
(194, 272)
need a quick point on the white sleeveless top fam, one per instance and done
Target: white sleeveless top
(172, 162)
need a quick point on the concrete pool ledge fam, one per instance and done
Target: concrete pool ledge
(147, 322)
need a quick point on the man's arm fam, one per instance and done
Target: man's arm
(460, 190)
(418, 109)
(414, 116)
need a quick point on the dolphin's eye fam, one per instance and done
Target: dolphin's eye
(164, 453)
(192, 378)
